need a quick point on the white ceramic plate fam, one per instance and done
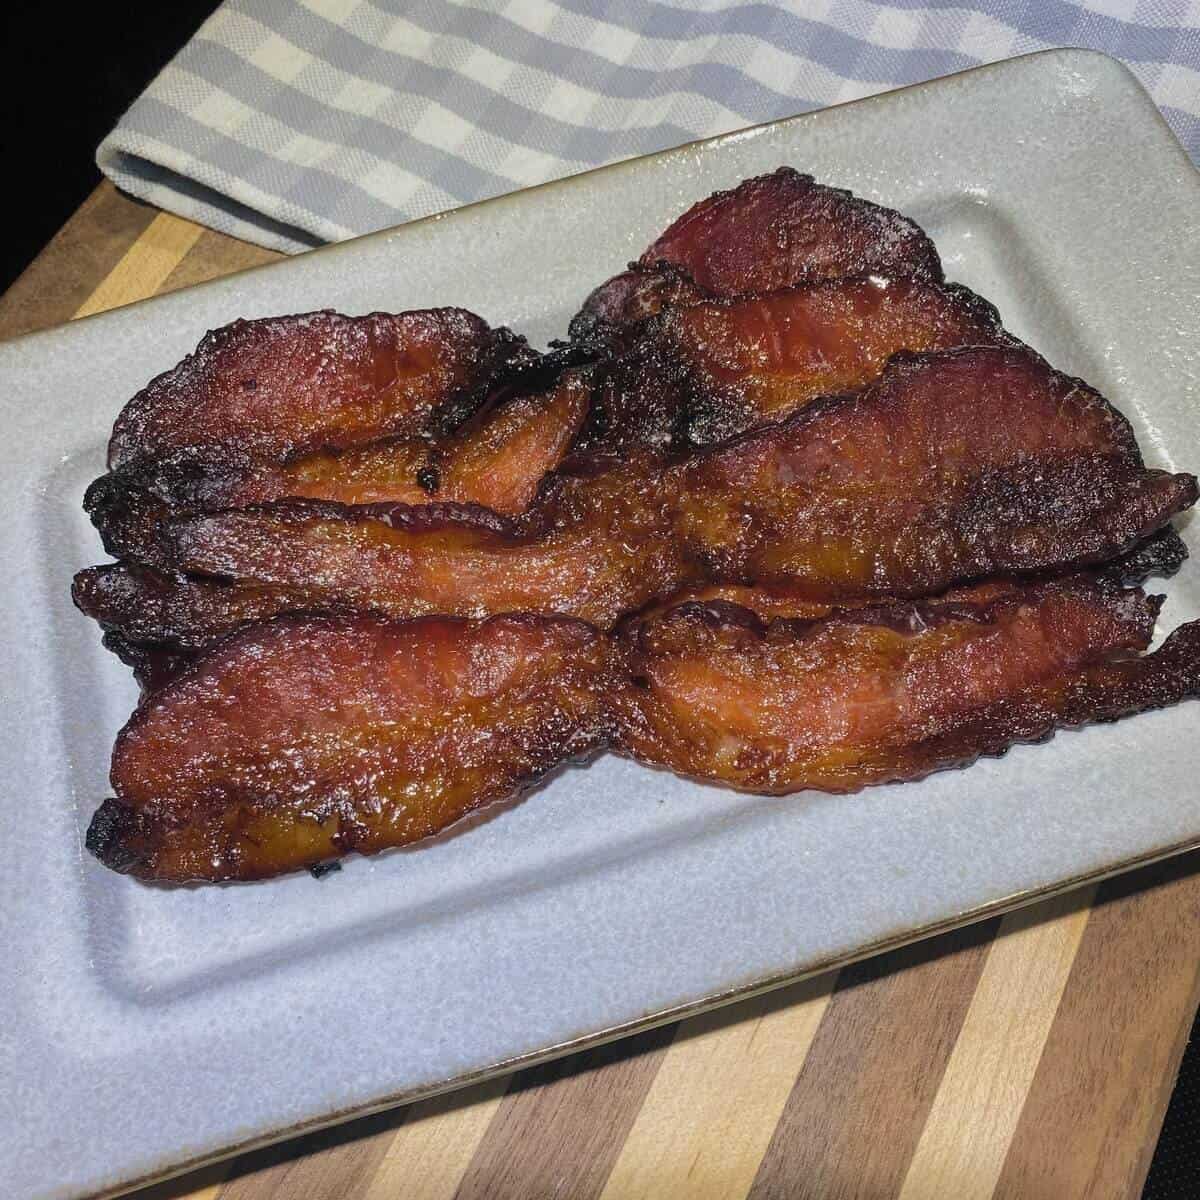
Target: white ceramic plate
(146, 1029)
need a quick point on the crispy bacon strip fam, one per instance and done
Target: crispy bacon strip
(613, 552)
(951, 466)
(301, 740)
(1161, 555)
(497, 461)
(151, 609)
(157, 624)
(271, 389)
(770, 232)
(890, 693)
(701, 374)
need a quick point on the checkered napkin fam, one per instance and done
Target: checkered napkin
(295, 122)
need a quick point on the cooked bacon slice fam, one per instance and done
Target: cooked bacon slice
(777, 230)
(1161, 554)
(613, 552)
(271, 389)
(298, 741)
(950, 467)
(149, 608)
(157, 624)
(770, 232)
(496, 460)
(701, 374)
(894, 692)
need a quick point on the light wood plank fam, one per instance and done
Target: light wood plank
(146, 266)
(214, 256)
(709, 1115)
(977, 1107)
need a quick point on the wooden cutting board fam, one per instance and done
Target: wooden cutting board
(1029, 1057)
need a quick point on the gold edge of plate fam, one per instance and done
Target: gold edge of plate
(664, 1016)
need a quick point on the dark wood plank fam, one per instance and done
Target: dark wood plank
(1097, 1101)
(561, 1126)
(857, 1110)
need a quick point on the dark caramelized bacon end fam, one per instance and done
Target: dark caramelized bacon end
(1160, 555)
(612, 312)
(298, 741)
(950, 467)
(771, 232)
(894, 692)
(146, 608)
(152, 665)
(128, 517)
(701, 374)
(271, 389)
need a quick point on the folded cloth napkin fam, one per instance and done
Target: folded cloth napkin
(295, 122)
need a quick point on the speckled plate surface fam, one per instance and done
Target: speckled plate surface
(146, 1029)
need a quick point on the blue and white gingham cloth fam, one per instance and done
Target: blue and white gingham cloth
(295, 122)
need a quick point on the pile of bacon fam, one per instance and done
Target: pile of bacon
(787, 511)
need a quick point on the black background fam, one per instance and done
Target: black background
(69, 73)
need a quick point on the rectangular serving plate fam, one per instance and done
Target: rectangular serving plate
(150, 1029)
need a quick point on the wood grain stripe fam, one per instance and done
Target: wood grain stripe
(328, 1164)
(975, 1113)
(722, 1084)
(145, 266)
(561, 1126)
(204, 1184)
(429, 1154)
(213, 256)
(66, 272)
(857, 1108)
(1094, 1111)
